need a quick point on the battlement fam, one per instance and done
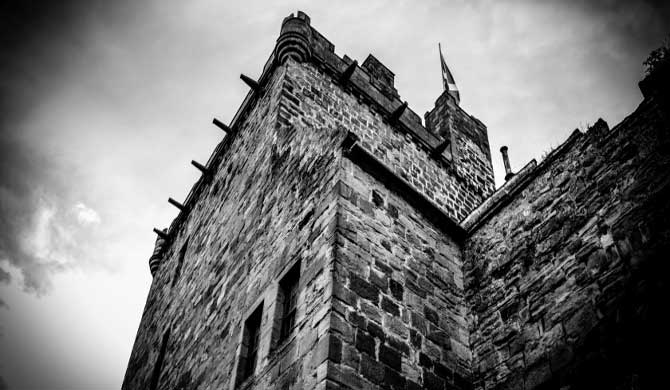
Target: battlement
(452, 140)
(380, 76)
(372, 82)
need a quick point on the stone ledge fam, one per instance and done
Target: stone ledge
(380, 171)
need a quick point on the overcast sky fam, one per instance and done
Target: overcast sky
(103, 105)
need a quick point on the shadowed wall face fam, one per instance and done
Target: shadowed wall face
(398, 307)
(566, 283)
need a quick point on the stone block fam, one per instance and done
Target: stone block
(431, 315)
(390, 307)
(390, 357)
(376, 331)
(396, 289)
(537, 375)
(432, 381)
(395, 326)
(365, 343)
(350, 356)
(372, 370)
(363, 289)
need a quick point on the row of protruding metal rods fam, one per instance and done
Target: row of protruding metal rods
(255, 86)
(394, 117)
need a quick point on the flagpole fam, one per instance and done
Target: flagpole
(448, 82)
(439, 49)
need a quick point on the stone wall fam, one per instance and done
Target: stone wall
(398, 309)
(557, 281)
(270, 204)
(399, 316)
(456, 188)
(469, 149)
(567, 280)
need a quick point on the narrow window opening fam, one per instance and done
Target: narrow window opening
(250, 341)
(305, 219)
(180, 264)
(288, 299)
(156, 374)
(377, 199)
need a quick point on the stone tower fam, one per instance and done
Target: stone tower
(334, 241)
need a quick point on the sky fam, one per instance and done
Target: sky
(103, 105)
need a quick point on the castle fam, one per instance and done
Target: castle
(333, 241)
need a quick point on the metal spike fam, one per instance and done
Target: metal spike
(161, 234)
(201, 168)
(253, 84)
(222, 126)
(176, 204)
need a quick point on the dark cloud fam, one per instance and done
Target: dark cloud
(634, 25)
(31, 179)
(24, 174)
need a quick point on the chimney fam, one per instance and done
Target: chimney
(508, 169)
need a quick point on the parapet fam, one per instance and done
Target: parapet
(372, 84)
(380, 76)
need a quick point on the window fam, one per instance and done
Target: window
(156, 374)
(250, 341)
(288, 299)
(180, 263)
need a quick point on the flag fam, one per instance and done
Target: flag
(448, 79)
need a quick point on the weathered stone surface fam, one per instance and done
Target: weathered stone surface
(247, 229)
(554, 280)
(564, 300)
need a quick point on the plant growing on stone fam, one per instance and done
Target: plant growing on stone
(658, 57)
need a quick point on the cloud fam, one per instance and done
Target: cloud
(5, 277)
(39, 239)
(86, 215)
(44, 226)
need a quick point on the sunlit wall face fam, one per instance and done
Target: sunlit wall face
(103, 104)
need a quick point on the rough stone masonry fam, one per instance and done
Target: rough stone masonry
(335, 242)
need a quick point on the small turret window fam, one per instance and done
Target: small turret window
(250, 341)
(288, 299)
